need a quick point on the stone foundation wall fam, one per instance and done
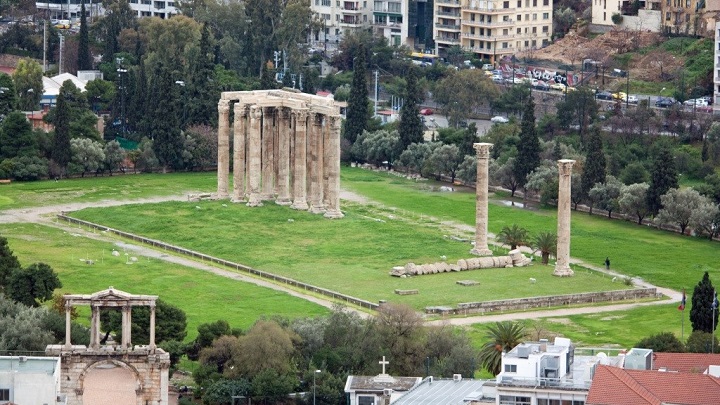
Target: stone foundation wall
(522, 304)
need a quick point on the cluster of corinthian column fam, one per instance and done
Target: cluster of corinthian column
(286, 147)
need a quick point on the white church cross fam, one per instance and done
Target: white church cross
(384, 363)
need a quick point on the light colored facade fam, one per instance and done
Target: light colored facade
(70, 10)
(341, 16)
(544, 373)
(648, 17)
(30, 380)
(716, 70)
(493, 28)
(390, 19)
(682, 16)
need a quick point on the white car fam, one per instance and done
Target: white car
(632, 99)
(499, 119)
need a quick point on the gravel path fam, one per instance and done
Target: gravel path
(45, 216)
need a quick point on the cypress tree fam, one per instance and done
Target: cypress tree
(84, 56)
(528, 157)
(702, 315)
(60, 154)
(8, 263)
(411, 128)
(266, 79)
(357, 111)
(663, 178)
(595, 164)
(164, 123)
(202, 93)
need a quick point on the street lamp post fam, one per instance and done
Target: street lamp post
(121, 72)
(31, 93)
(182, 100)
(316, 372)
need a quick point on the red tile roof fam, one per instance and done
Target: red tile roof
(616, 386)
(685, 362)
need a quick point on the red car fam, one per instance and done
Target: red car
(426, 111)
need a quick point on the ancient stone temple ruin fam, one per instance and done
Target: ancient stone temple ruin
(107, 373)
(562, 266)
(286, 147)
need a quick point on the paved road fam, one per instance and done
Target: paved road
(45, 216)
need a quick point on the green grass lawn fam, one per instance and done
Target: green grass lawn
(125, 187)
(352, 255)
(663, 258)
(621, 329)
(203, 296)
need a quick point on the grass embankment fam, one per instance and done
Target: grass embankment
(203, 296)
(89, 189)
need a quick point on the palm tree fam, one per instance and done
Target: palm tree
(513, 235)
(502, 337)
(546, 243)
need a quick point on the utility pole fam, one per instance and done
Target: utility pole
(45, 23)
(62, 39)
(376, 94)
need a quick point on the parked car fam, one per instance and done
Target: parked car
(603, 95)
(426, 111)
(497, 79)
(665, 102)
(540, 85)
(488, 66)
(696, 102)
(619, 96)
(63, 24)
(499, 119)
(632, 99)
(709, 99)
(558, 87)
(514, 80)
(690, 101)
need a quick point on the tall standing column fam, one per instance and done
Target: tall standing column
(562, 266)
(283, 157)
(152, 326)
(239, 126)
(332, 154)
(223, 156)
(482, 151)
(300, 173)
(94, 327)
(68, 325)
(125, 334)
(254, 151)
(268, 168)
(315, 195)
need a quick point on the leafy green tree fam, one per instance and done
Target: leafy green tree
(544, 181)
(357, 110)
(546, 244)
(34, 284)
(678, 206)
(28, 168)
(579, 108)
(501, 338)
(504, 175)
(634, 173)
(467, 171)
(118, 16)
(8, 263)
(702, 315)
(168, 142)
(87, 155)
(202, 92)
(114, 156)
(594, 170)
(100, 94)
(411, 128)
(270, 386)
(463, 92)
(401, 332)
(23, 328)
(379, 147)
(267, 81)
(633, 201)
(267, 346)
(28, 84)
(705, 219)
(207, 333)
(512, 100)
(701, 342)
(170, 323)
(16, 137)
(446, 160)
(663, 178)
(84, 57)
(606, 195)
(528, 157)
(513, 236)
(415, 156)
(664, 342)
(223, 390)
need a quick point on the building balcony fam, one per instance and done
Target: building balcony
(490, 10)
(351, 23)
(382, 24)
(351, 10)
(384, 10)
(450, 3)
(502, 51)
(447, 40)
(448, 27)
(508, 23)
(488, 37)
(455, 14)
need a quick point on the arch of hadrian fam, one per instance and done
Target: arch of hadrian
(120, 374)
(286, 147)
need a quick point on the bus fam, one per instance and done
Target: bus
(423, 59)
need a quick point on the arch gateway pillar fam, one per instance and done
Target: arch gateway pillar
(286, 147)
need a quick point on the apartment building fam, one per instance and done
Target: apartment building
(340, 17)
(404, 22)
(716, 70)
(70, 10)
(644, 15)
(492, 28)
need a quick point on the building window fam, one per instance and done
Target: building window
(527, 43)
(506, 18)
(546, 2)
(4, 394)
(326, 3)
(505, 32)
(534, 30)
(394, 7)
(546, 16)
(513, 400)
(519, 17)
(519, 31)
(511, 368)
(505, 45)
(366, 400)
(534, 3)
(519, 4)
(506, 4)
(604, 16)
(545, 29)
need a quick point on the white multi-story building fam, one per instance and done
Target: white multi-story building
(70, 10)
(390, 19)
(30, 380)
(339, 17)
(492, 28)
(646, 17)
